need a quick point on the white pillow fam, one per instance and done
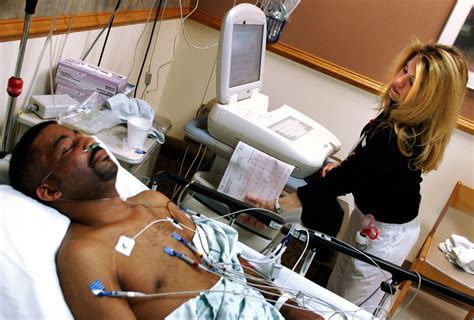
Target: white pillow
(30, 235)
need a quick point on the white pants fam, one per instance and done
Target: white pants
(355, 280)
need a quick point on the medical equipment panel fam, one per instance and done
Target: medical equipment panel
(241, 113)
(284, 133)
(48, 106)
(241, 52)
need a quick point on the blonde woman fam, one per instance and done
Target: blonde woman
(418, 112)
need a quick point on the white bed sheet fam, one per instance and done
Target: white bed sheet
(299, 283)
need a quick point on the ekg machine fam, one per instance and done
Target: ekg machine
(241, 114)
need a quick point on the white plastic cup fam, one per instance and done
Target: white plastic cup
(137, 132)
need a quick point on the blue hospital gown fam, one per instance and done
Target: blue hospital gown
(239, 301)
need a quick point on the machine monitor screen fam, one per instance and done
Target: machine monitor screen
(246, 54)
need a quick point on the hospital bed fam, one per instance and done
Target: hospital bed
(314, 239)
(31, 233)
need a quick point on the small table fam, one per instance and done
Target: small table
(140, 164)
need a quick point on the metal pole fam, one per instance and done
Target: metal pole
(15, 83)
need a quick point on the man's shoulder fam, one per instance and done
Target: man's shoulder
(80, 247)
(149, 196)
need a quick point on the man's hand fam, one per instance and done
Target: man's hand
(298, 314)
(274, 294)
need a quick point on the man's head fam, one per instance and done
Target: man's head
(50, 162)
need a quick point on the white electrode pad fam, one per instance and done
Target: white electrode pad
(125, 245)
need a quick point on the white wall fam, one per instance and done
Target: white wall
(118, 57)
(341, 108)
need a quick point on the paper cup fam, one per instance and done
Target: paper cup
(137, 132)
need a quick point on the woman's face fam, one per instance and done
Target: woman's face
(403, 81)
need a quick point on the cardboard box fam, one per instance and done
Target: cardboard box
(74, 73)
(79, 94)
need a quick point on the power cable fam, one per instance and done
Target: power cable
(109, 26)
(84, 56)
(147, 48)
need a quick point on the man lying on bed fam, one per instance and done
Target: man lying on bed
(68, 171)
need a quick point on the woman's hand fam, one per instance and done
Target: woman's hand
(328, 167)
(260, 203)
(287, 203)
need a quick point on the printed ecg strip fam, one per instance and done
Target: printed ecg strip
(252, 171)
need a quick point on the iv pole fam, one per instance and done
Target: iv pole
(15, 83)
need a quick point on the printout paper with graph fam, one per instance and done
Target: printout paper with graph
(252, 171)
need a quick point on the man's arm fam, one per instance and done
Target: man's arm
(80, 263)
(286, 310)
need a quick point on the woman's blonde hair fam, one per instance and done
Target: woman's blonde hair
(425, 119)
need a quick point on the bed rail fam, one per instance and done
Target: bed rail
(318, 239)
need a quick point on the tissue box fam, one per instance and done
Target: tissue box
(78, 74)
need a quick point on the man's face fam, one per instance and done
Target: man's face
(63, 152)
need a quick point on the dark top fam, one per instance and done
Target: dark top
(376, 173)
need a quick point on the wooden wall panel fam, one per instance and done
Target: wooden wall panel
(355, 40)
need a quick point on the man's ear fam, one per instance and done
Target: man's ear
(46, 193)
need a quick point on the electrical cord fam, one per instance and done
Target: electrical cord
(299, 259)
(169, 61)
(148, 47)
(84, 56)
(306, 301)
(157, 33)
(59, 54)
(109, 26)
(405, 307)
(202, 158)
(35, 74)
(207, 87)
(51, 57)
(368, 257)
(181, 27)
(25, 107)
(140, 38)
(176, 189)
(184, 29)
(153, 53)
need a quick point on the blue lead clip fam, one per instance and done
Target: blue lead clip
(97, 288)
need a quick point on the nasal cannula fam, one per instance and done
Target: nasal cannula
(91, 147)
